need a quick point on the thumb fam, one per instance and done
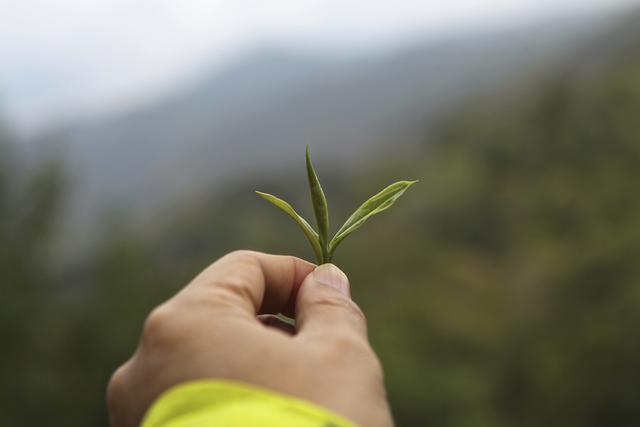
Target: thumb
(324, 305)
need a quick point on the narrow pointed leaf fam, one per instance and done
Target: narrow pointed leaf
(320, 206)
(376, 204)
(304, 225)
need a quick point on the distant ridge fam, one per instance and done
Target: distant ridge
(254, 115)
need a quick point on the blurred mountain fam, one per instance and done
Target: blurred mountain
(255, 115)
(503, 290)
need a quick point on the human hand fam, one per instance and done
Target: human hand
(221, 326)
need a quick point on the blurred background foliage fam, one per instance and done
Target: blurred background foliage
(504, 289)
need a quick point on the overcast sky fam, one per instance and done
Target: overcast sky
(60, 57)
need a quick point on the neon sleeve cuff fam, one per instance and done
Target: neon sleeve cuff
(231, 404)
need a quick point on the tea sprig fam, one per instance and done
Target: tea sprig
(322, 246)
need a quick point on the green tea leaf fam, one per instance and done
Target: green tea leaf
(320, 206)
(322, 247)
(304, 225)
(376, 204)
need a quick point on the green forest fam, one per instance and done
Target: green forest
(504, 290)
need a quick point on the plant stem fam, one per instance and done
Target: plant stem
(326, 257)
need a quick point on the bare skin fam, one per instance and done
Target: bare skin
(220, 326)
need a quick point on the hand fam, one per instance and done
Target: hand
(216, 328)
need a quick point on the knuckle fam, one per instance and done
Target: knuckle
(242, 256)
(292, 261)
(238, 283)
(356, 311)
(115, 388)
(245, 267)
(157, 325)
(233, 289)
(227, 297)
(333, 300)
(329, 300)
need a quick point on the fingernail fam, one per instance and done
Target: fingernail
(330, 275)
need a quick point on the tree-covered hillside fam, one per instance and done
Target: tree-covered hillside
(504, 290)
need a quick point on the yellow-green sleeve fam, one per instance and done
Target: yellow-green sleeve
(231, 404)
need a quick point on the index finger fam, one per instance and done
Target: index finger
(255, 282)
